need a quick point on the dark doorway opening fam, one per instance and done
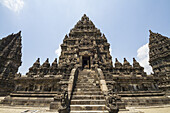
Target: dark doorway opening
(86, 62)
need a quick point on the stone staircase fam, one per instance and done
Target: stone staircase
(87, 96)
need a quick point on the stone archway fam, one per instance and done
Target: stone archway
(86, 62)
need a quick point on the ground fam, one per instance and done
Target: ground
(19, 109)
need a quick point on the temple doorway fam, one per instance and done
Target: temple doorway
(86, 62)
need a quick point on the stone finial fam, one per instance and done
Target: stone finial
(126, 63)
(104, 37)
(37, 63)
(35, 68)
(117, 63)
(150, 31)
(47, 60)
(54, 64)
(135, 63)
(46, 63)
(139, 70)
(134, 60)
(55, 60)
(84, 17)
(124, 59)
(44, 68)
(66, 37)
(116, 60)
(19, 32)
(38, 60)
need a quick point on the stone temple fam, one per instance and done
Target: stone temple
(85, 79)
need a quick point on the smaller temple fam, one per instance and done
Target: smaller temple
(159, 58)
(10, 60)
(159, 54)
(34, 70)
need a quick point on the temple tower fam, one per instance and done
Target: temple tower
(86, 47)
(10, 60)
(159, 54)
(159, 58)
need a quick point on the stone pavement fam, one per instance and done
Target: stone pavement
(17, 109)
(149, 109)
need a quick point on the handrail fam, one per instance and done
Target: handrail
(104, 88)
(72, 81)
(102, 81)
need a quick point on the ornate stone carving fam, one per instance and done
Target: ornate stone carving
(54, 67)
(159, 54)
(45, 68)
(10, 60)
(35, 69)
(159, 58)
(10, 54)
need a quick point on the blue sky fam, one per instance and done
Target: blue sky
(44, 23)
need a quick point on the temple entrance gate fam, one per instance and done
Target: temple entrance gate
(86, 62)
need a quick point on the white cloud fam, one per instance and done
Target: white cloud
(58, 51)
(110, 49)
(14, 5)
(143, 57)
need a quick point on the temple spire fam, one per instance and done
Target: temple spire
(126, 63)
(117, 63)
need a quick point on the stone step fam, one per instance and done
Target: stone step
(34, 92)
(87, 107)
(32, 95)
(28, 101)
(97, 87)
(84, 97)
(87, 89)
(90, 85)
(141, 94)
(88, 93)
(147, 101)
(89, 111)
(87, 78)
(86, 84)
(84, 76)
(88, 102)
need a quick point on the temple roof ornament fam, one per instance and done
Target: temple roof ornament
(117, 63)
(126, 64)
(84, 26)
(54, 64)
(46, 63)
(136, 64)
(37, 63)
